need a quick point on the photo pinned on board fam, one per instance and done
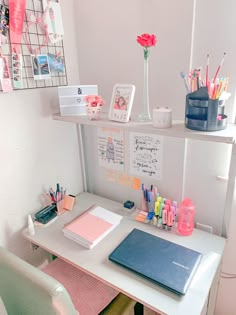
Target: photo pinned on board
(40, 67)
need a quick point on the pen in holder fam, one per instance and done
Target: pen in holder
(204, 114)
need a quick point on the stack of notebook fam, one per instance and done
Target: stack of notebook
(92, 226)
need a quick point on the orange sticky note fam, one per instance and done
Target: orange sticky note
(136, 183)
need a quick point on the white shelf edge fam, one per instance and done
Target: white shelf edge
(177, 130)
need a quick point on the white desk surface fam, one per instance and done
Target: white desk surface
(96, 263)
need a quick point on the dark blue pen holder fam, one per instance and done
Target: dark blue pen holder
(204, 115)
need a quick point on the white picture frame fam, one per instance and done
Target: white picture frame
(121, 102)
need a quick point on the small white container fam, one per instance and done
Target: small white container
(75, 90)
(162, 117)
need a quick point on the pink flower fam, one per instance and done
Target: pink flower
(147, 40)
(94, 100)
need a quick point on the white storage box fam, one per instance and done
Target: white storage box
(74, 90)
(72, 100)
(73, 110)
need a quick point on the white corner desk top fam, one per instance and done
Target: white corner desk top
(96, 263)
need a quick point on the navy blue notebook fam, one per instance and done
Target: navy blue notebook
(168, 264)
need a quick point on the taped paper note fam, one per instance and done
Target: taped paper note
(146, 155)
(124, 180)
(136, 183)
(111, 148)
(110, 175)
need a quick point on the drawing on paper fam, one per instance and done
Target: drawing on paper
(145, 155)
(111, 148)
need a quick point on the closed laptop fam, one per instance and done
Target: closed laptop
(169, 264)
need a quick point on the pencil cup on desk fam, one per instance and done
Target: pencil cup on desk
(60, 208)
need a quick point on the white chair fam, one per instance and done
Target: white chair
(59, 289)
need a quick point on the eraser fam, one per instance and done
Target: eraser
(129, 204)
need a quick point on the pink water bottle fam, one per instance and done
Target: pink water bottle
(186, 217)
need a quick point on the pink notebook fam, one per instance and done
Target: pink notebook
(92, 226)
(89, 226)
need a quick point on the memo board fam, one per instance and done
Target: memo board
(35, 7)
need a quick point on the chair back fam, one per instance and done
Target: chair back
(26, 290)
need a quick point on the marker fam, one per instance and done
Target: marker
(150, 202)
(170, 220)
(156, 210)
(159, 223)
(164, 217)
(207, 69)
(160, 209)
(144, 198)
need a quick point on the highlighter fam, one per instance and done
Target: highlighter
(164, 217)
(170, 218)
(160, 209)
(156, 210)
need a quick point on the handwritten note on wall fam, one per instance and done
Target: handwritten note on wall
(111, 148)
(146, 155)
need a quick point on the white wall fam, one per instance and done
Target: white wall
(215, 33)
(109, 54)
(35, 151)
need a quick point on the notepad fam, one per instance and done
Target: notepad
(92, 226)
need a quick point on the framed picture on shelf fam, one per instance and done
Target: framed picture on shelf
(121, 102)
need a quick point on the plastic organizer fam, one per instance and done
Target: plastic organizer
(204, 114)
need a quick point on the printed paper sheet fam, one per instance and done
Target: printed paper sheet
(146, 155)
(111, 148)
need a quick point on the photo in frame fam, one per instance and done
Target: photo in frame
(121, 102)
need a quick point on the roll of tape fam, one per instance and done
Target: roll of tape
(162, 117)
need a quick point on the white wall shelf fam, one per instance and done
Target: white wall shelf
(178, 129)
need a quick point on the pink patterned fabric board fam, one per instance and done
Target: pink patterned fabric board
(89, 295)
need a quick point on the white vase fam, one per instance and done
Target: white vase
(145, 111)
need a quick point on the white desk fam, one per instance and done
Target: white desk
(96, 263)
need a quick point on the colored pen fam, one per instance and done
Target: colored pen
(144, 198)
(207, 69)
(218, 69)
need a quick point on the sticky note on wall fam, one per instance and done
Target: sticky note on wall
(136, 183)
